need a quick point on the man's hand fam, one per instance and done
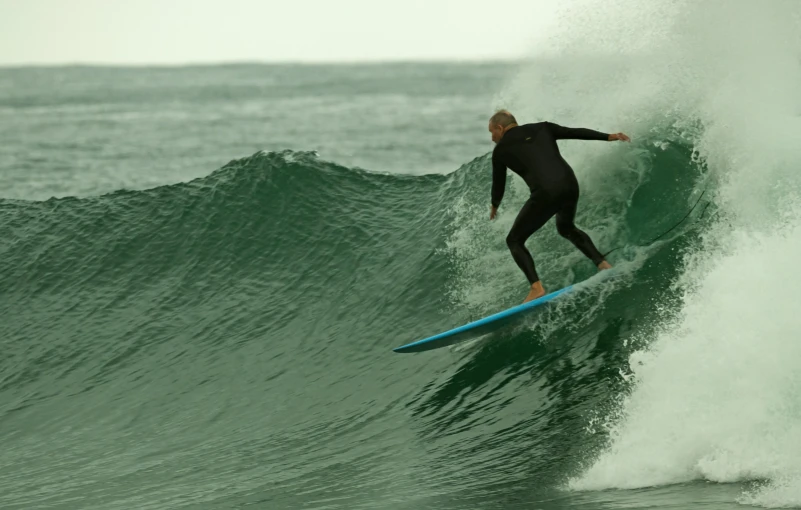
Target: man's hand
(493, 212)
(619, 136)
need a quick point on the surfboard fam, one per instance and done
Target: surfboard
(500, 320)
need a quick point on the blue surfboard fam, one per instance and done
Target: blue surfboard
(496, 321)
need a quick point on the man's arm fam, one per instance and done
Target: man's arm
(498, 183)
(566, 133)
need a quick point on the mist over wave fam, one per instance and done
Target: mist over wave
(714, 387)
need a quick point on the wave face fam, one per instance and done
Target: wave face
(235, 332)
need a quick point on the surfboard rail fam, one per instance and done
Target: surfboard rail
(498, 320)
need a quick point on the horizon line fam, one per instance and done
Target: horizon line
(222, 63)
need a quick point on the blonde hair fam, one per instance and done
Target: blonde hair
(502, 118)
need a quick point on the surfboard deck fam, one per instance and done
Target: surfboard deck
(497, 321)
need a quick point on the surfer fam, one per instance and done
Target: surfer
(531, 152)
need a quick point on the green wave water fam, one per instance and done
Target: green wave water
(227, 341)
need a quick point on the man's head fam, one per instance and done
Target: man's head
(499, 123)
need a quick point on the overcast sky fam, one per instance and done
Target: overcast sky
(186, 31)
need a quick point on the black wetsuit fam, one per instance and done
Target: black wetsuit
(531, 152)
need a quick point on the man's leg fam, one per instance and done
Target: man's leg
(567, 229)
(532, 216)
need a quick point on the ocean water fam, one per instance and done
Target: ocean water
(205, 270)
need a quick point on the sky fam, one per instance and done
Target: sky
(211, 31)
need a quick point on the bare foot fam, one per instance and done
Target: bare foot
(604, 265)
(536, 292)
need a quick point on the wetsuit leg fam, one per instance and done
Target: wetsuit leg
(568, 229)
(533, 215)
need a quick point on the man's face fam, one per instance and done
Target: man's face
(497, 132)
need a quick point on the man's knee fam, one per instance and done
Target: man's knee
(565, 229)
(512, 241)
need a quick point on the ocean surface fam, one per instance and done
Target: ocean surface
(205, 269)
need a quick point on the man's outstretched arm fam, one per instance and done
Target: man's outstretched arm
(566, 133)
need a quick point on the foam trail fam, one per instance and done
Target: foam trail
(715, 397)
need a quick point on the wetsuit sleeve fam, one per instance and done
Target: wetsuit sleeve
(498, 179)
(566, 133)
